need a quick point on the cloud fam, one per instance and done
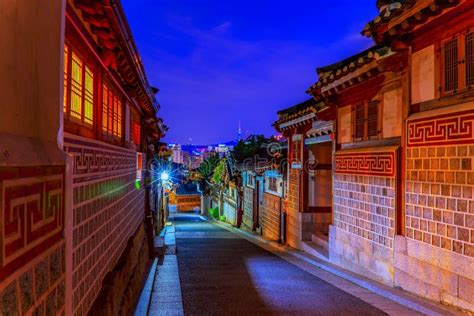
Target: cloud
(232, 79)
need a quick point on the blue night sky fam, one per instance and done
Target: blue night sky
(217, 62)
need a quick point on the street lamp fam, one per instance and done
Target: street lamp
(164, 176)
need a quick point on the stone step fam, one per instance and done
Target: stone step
(321, 240)
(315, 250)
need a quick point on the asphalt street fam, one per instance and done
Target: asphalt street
(222, 274)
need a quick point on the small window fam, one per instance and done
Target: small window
(359, 121)
(139, 166)
(366, 120)
(135, 127)
(469, 59)
(457, 67)
(451, 65)
(112, 110)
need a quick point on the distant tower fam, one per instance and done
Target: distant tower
(239, 133)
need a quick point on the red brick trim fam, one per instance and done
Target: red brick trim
(32, 214)
(366, 163)
(447, 129)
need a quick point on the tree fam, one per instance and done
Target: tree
(251, 147)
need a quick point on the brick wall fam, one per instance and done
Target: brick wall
(107, 210)
(32, 257)
(436, 256)
(187, 202)
(362, 236)
(365, 206)
(270, 216)
(247, 216)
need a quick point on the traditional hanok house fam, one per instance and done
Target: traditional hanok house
(366, 89)
(434, 246)
(186, 197)
(308, 127)
(262, 191)
(77, 116)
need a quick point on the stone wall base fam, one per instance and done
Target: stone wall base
(122, 286)
(360, 255)
(434, 273)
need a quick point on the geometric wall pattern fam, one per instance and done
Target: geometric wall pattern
(31, 240)
(366, 163)
(107, 211)
(447, 129)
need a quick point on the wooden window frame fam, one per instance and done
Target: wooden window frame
(135, 127)
(114, 131)
(86, 64)
(460, 37)
(365, 105)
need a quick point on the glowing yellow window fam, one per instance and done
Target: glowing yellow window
(105, 107)
(66, 65)
(76, 86)
(88, 96)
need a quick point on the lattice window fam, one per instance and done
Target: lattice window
(66, 72)
(359, 121)
(78, 99)
(372, 118)
(135, 127)
(451, 61)
(469, 51)
(112, 109)
(366, 120)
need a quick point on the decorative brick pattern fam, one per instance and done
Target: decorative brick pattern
(270, 214)
(365, 206)
(440, 182)
(247, 216)
(31, 240)
(107, 210)
(366, 163)
(442, 130)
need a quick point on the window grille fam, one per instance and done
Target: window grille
(469, 42)
(372, 118)
(359, 121)
(451, 62)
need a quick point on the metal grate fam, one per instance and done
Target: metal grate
(359, 120)
(372, 118)
(451, 65)
(469, 59)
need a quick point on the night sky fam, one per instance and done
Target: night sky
(217, 62)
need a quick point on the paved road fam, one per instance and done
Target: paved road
(222, 274)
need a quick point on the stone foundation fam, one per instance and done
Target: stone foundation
(122, 286)
(360, 255)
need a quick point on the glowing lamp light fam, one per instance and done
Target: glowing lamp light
(164, 176)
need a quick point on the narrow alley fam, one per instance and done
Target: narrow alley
(222, 273)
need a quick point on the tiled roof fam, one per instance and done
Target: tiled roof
(332, 72)
(380, 28)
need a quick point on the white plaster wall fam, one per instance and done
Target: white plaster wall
(344, 125)
(392, 113)
(31, 63)
(423, 75)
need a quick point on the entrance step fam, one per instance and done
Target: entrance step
(315, 250)
(321, 240)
